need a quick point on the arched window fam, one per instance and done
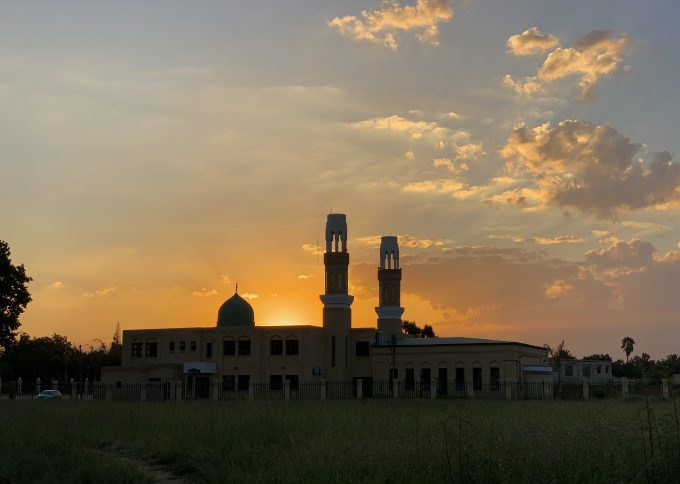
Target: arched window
(276, 346)
(229, 347)
(292, 346)
(151, 348)
(137, 348)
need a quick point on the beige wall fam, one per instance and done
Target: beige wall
(260, 364)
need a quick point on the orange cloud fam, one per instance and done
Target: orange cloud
(594, 169)
(380, 26)
(532, 41)
(204, 293)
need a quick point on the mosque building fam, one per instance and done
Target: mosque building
(235, 353)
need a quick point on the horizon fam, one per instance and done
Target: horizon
(524, 155)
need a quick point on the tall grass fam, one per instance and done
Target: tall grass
(345, 441)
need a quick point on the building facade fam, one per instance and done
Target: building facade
(236, 352)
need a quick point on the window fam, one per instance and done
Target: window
(151, 349)
(599, 369)
(276, 347)
(569, 370)
(136, 349)
(460, 379)
(182, 346)
(425, 376)
(193, 346)
(606, 370)
(442, 379)
(586, 370)
(362, 348)
(294, 382)
(154, 380)
(394, 373)
(208, 350)
(228, 383)
(244, 347)
(477, 378)
(495, 377)
(292, 347)
(229, 347)
(172, 347)
(410, 380)
(243, 383)
(275, 382)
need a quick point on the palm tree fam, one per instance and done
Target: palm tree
(627, 345)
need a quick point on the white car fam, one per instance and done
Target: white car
(48, 395)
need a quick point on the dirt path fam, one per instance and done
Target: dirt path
(157, 472)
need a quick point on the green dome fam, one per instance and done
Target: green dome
(235, 312)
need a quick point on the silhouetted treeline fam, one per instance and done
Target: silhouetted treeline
(55, 357)
(643, 367)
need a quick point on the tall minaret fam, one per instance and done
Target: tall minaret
(389, 281)
(337, 312)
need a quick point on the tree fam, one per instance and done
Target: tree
(627, 345)
(14, 296)
(411, 328)
(556, 355)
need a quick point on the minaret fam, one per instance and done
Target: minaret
(337, 313)
(389, 282)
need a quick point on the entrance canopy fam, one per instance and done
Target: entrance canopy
(200, 367)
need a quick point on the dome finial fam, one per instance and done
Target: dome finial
(236, 290)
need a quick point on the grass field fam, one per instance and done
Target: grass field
(336, 441)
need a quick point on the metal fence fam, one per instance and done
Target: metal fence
(358, 388)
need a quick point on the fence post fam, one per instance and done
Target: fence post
(74, 390)
(624, 387)
(323, 389)
(360, 388)
(142, 392)
(433, 388)
(547, 389)
(508, 390)
(85, 389)
(20, 383)
(108, 392)
(586, 388)
(664, 384)
(178, 390)
(251, 390)
(55, 384)
(395, 388)
(286, 389)
(0, 385)
(216, 390)
(469, 389)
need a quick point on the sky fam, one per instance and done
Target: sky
(153, 154)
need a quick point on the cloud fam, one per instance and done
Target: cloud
(596, 55)
(469, 151)
(634, 254)
(225, 278)
(532, 41)
(249, 295)
(56, 285)
(415, 129)
(451, 115)
(380, 26)
(457, 168)
(312, 248)
(525, 294)
(560, 239)
(204, 293)
(594, 169)
(410, 241)
(102, 291)
(593, 56)
(410, 154)
(558, 288)
(304, 276)
(530, 85)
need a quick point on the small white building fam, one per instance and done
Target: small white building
(575, 371)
